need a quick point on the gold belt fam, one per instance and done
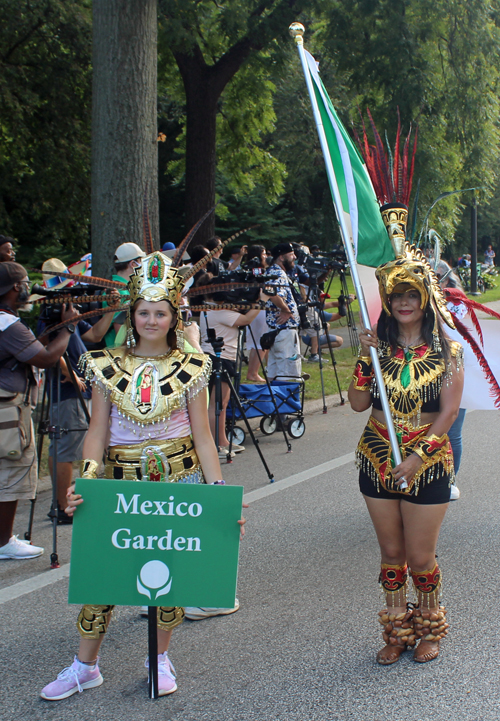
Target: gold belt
(166, 460)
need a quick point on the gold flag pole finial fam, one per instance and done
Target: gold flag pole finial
(297, 31)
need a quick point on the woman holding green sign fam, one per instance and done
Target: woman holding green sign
(150, 422)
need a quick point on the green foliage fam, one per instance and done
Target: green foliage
(437, 60)
(45, 48)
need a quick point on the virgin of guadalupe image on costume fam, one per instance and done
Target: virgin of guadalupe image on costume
(154, 465)
(145, 388)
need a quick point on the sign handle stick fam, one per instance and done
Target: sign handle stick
(153, 651)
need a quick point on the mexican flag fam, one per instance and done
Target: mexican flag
(360, 207)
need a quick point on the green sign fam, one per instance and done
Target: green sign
(155, 544)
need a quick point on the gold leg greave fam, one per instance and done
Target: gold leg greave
(169, 617)
(93, 621)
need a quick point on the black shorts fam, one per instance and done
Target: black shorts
(433, 493)
(227, 365)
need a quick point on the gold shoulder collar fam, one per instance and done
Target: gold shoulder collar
(456, 349)
(147, 390)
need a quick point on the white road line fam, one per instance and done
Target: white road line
(33, 584)
(297, 478)
(49, 577)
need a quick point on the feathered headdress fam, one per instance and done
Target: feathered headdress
(392, 175)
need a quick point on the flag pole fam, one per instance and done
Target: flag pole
(297, 32)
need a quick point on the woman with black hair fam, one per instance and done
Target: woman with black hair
(423, 375)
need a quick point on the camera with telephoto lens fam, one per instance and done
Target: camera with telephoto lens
(242, 295)
(304, 320)
(58, 297)
(319, 264)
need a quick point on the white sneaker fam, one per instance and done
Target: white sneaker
(454, 493)
(16, 549)
(313, 358)
(198, 614)
(144, 612)
(224, 453)
(235, 448)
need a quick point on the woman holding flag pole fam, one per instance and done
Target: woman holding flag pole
(416, 383)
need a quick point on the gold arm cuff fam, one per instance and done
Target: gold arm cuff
(89, 468)
(365, 359)
(420, 453)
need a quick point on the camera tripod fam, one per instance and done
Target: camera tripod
(351, 321)
(319, 323)
(49, 424)
(220, 375)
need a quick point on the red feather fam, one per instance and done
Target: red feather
(381, 161)
(494, 387)
(396, 172)
(412, 168)
(148, 240)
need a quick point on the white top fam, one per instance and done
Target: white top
(222, 321)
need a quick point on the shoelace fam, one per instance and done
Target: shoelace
(165, 667)
(66, 674)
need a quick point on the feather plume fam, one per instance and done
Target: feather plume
(209, 289)
(177, 259)
(207, 258)
(83, 316)
(227, 306)
(88, 279)
(147, 239)
(60, 300)
(389, 172)
(494, 387)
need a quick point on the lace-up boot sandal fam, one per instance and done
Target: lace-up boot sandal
(429, 626)
(398, 634)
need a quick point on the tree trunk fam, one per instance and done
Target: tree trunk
(204, 85)
(201, 161)
(124, 125)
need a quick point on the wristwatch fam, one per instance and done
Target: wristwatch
(71, 328)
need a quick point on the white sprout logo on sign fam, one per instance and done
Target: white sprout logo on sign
(154, 575)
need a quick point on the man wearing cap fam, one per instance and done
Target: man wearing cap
(127, 257)
(281, 313)
(7, 252)
(19, 352)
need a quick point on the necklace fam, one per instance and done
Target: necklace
(407, 345)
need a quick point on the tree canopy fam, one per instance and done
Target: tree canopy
(233, 108)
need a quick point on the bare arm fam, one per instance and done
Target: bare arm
(97, 435)
(54, 350)
(202, 437)
(361, 400)
(95, 441)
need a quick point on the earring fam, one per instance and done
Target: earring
(130, 338)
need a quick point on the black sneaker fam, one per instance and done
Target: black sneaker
(62, 518)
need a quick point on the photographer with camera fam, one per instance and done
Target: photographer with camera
(322, 318)
(69, 410)
(256, 258)
(19, 352)
(225, 323)
(282, 315)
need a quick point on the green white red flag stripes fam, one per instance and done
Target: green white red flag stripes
(360, 207)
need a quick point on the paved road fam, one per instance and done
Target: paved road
(302, 646)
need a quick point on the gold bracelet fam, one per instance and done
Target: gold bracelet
(89, 468)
